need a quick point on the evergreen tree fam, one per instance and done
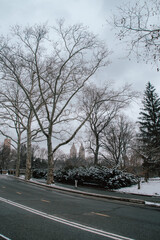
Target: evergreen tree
(149, 121)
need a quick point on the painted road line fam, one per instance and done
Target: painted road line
(66, 222)
(3, 237)
(100, 214)
(43, 200)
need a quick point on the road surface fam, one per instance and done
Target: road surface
(31, 212)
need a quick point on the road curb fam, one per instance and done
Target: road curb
(131, 200)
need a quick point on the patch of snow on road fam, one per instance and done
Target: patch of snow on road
(152, 188)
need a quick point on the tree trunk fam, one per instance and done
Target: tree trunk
(96, 158)
(146, 175)
(50, 176)
(96, 151)
(28, 159)
(18, 156)
(29, 150)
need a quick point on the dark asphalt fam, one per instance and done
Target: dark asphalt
(133, 221)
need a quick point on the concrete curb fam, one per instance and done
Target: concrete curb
(131, 200)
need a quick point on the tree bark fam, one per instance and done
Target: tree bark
(29, 150)
(18, 156)
(50, 176)
(28, 160)
(96, 151)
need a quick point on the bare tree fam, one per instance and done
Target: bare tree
(138, 25)
(57, 70)
(116, 141)
(17, 116)
(11, 104)
(108, 103)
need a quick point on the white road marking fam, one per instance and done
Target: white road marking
(3, 237)
(66, 222)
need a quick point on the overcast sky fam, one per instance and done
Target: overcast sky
(92, 13)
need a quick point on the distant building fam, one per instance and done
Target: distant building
(82, 152)
(73, 151)
(7, 142)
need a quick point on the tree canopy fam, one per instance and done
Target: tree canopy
(137, 23)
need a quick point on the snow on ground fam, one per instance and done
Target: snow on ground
(152, 187)
(22, 176)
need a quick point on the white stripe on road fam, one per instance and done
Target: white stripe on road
(3, 237)
(66, 222)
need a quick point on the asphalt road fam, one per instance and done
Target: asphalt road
(31, 212)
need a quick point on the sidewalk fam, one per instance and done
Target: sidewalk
(102, 193)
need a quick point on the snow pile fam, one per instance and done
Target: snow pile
(151, 188)
(22, 176)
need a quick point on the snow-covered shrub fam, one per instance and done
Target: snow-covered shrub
(39, 173)
(100, 176)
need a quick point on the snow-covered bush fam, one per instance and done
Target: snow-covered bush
(39, 173)
(100, 176)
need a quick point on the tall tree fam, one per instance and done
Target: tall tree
(149, 124)
(57, 69)
(108, 104)
(11, 104)
(116, 141)
(17, 115)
